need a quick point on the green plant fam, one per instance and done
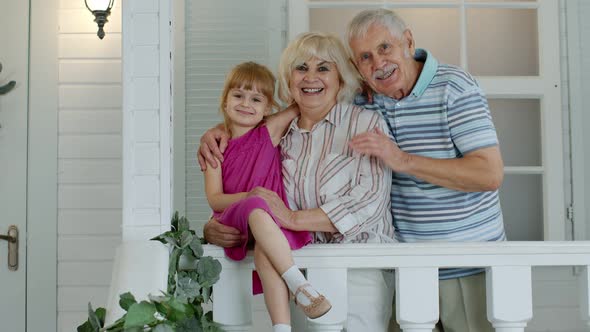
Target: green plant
(180, 308)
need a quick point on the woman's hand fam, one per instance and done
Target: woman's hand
(277, 206)
(213, 144)
(222, 235)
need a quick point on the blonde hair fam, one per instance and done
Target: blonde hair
(249, 76)
(323, 46)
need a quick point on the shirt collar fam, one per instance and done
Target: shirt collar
(427, 74)
(334, 117)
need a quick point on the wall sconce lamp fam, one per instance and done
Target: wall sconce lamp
(101, 9)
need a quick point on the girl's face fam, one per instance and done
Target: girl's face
(245, 109)
(314, 85)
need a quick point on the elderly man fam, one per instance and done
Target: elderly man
(443, 151)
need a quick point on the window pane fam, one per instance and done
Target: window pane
(521, 197)
(434, 29)
(518, 123)
(502, 42)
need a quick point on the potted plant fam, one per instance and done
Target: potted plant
(180, 308)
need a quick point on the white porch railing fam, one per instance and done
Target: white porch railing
(508, 278)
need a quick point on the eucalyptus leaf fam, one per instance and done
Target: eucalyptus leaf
(168, 237)
(187, 289)
(93, 318)
(140, 314)
(86, 327)
(179, 311)
(196, 247)
(183, 224)
(185, 239)
(163, 328)
(126, 300)
(206, 293)
(172, 268)
(174, 221)
(208, 270)
(189, 325)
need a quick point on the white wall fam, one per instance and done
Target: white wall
(89, 182)
(584, 11)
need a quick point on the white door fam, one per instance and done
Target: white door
(14, 40)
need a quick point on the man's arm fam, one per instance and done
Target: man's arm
(479, 170)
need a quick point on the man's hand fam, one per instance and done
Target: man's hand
(222, 235)
(377, 144)
(213, 144)
(277, 206)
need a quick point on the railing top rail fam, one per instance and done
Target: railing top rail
(476, 254)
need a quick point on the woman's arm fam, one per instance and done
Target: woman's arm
(278, 123)
(366, 205)
(213, 144)
(313, 220)
(218, 201)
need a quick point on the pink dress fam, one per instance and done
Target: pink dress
(252, 161)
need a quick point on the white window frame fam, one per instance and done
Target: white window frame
(546, 87)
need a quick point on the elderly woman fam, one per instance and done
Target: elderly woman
(333, 191)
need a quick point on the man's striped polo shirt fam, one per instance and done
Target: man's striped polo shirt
(445, 116)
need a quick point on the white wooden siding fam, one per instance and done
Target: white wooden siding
(89, 160)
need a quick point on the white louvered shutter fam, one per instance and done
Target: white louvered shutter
(218, 35)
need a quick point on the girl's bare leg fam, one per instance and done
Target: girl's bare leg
(271, 239)
(276, 295)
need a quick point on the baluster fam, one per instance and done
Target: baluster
(416, 296)
(332, 283)
(232, 296)
(509, 297)
(584, 292)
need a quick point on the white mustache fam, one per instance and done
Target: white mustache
(379, 73)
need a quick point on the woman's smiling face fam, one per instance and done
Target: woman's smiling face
(314, 85)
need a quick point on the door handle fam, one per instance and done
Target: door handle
(12, 238)
(4, 89)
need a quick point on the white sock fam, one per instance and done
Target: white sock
(295, 279)
(281, 328)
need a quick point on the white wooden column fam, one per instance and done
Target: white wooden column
(332, 283)
(584, 292)
(146, 152)
(232, 303)
(146, 118)
(509, 297)
(416, 298)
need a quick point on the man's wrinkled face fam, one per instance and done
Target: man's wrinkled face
(385, 61)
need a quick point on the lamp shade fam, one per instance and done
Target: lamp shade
(100, 5)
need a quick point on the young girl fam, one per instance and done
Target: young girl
(252, 159)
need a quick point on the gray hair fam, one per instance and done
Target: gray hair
(324, 46)
(361, 23)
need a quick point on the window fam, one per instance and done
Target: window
(512, 48)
